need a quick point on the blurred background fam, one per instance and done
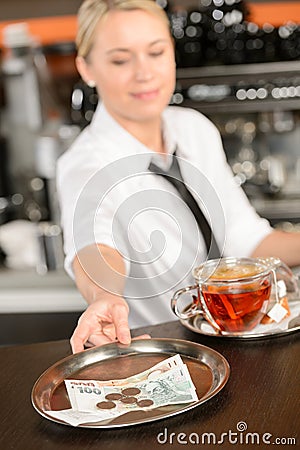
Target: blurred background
(238, 63)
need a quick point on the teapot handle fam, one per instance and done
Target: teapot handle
(192, 310)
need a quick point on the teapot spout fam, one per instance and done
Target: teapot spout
(283, 272)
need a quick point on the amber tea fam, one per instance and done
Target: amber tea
(235, 308)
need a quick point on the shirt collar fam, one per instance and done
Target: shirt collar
(104, 125)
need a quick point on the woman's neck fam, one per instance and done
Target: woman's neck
(148, 133)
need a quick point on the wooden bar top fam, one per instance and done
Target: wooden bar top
(261, 398)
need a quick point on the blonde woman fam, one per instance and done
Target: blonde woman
(130, 240)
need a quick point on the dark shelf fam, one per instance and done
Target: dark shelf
(243, 76)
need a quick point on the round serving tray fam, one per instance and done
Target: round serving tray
(209, 371)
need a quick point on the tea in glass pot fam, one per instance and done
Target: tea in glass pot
(234, 294)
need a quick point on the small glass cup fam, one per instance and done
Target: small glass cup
(233, 294)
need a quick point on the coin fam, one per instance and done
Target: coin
(131, 391)
(129, 400)
(144, 403)
(113, 396)
(106, 405)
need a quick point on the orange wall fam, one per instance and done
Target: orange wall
(63, 28)
(275, 13)
(49, 29)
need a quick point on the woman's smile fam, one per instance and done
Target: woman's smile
(146, 95)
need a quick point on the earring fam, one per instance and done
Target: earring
(91, 83)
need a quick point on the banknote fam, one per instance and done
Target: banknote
(171, 387)
(151, 373)
(167, 383)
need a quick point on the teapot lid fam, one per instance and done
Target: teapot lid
(230, 269)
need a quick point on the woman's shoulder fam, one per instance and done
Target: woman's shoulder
(190, 123)
(80, 160)
(178, 112)
(184, 116)
(86, 149)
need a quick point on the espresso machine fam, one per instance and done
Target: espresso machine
(246, 79)
(257, 110)
(34, 132)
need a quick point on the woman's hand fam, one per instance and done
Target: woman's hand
(103, 322)
(100, 277)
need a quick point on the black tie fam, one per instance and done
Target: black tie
(177, 181)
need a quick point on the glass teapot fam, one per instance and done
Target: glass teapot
(233, 294)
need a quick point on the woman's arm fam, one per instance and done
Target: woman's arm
(281, 244)
(100, 277)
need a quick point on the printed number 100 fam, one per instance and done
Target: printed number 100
(89, 390)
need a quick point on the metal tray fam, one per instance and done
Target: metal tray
(209, 371)
(290, 325)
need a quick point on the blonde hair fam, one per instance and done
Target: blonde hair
(92, 11)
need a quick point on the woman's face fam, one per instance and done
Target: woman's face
(132, 62)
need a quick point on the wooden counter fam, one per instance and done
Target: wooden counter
(261, 397)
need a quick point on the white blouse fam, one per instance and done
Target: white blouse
(107, 195)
